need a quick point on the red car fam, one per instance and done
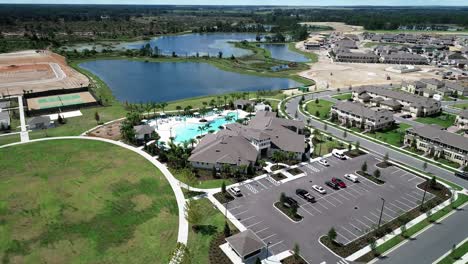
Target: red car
(339, 182)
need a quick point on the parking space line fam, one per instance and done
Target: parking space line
(336, 200)
(391, 210)
(307, 211)
(368, 185)
(268, 237)
(418, 192)
(374, 215)
(253, 224)
(403, 203)
(234, 208)
(384, 213)
(416, 198)
(366, 225)
(411, 201)
(277, 243)
(372, 221)
(346, 191)
(329, 202)
(342, 195)
(347, 239)
(359, 187)
(349, 231)
(357, 228)
(245, 219)
(322, 205)
(415, 177)
(350, 189)
(262, 184)
(394, 205)
(397, 170)
(261, 230)
(240, 213)
(315, 209)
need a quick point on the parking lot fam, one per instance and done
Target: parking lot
(352, 211)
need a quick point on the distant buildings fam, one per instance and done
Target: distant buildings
(358, 115)
(436, 142)
(429, 87)
(238, 145)
(344, 55)
(414, 105)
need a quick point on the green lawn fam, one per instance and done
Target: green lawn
(82, 201)
(343, 97)
(9, 139)
(326, 147)
(323, 107)
(313, 57)
(199, 242)
(461, 106)
(393, 136)
(183, 175)
(455, 254)
(443, 120)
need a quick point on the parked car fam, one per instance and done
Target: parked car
(406, 116)
(337, 153)
(332, 185)
(235, 191)
(290, 202)
(351, 177)
(463, 175)
(319, 189)
(324, 162)
(305, 195)
(339, 182)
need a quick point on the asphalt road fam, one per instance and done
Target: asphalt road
(432, 243)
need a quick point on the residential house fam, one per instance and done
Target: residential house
(356, 57)
(458, 88)
(243, 104)
(435, 141)
(358, 115)
(410, 103)
(39, 122)
(403, 58)
(462, 120)
(238, 145)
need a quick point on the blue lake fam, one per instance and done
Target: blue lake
(137, 81)
(205, 44)
(282, 52)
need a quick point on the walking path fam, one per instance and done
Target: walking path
(24, 130)
(174, 183)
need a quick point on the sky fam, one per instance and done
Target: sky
(253, 2)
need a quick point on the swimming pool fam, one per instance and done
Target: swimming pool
(187, 131)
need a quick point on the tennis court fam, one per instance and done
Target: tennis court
(54, 101)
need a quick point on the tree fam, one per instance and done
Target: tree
(317, 113)
(97, 117)
(424, 165)
(364, 166)
(282, 197)
(227, 230)
(325, 126)
(258, 261)
(60, 119)
(332, 234)
(316, 101)
(433, 183)
(385, 158)
(193, 213)
(223, 187)
(220, 54)
(373, 245)
(278, 156)
(357, 145)
(296, 251)
(345, 134)
(377, 173)
(403, 230)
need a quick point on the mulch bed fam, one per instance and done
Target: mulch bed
(295, 171)
(278, 176)
(370, 177)
(223, 197)
(354, 153)
(293, 260)
(286, 211)
(441, 193)
(277, 167)
(383, 164)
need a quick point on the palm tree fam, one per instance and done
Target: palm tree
(178, 108)
(163, 105)
(218, 101)
(192, 142)
(278, 156)
(225, 99)
(154, 106)
(201, 129)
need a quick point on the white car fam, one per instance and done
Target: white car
(236, 191)
(351, 177)
(324, 162)
(319, 189)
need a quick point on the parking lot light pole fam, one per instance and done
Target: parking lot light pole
(381, 212)
(424, 195)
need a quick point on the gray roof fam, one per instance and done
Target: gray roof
(435, 133)
(363, 111)
(456, 86)
(404, 56)
(39, 120)
(390, 102)
(432, 81)
(4, 104)
(245, 242)
(243, 102)
(4, 116)
(143, 129)
(415, 100)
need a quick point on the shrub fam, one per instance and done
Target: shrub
(332, 234)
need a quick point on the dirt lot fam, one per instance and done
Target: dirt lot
(109, 131)
(342, 75)
(37, 71)
(338, 26)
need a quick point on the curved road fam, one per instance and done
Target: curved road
(174, 183)
(427, 247)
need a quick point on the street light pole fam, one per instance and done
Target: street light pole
(268, 243)
(381, 212)
(424, 195)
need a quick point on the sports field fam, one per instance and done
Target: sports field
(83, 201)
(59, 100)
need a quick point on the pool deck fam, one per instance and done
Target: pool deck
(166, 127)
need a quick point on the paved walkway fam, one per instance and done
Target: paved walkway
(174, 183)
(24, 130)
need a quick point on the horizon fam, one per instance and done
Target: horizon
(270, 3)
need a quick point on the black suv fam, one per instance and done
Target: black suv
(305, 195)
(332, 185)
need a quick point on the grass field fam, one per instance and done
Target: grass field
(461, 106)
(393, 136)
(443, 120)
(323, 107)
(455, 254)
(343, 97)
(81, 201)
(326, 147)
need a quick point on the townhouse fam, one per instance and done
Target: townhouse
(358, 115)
